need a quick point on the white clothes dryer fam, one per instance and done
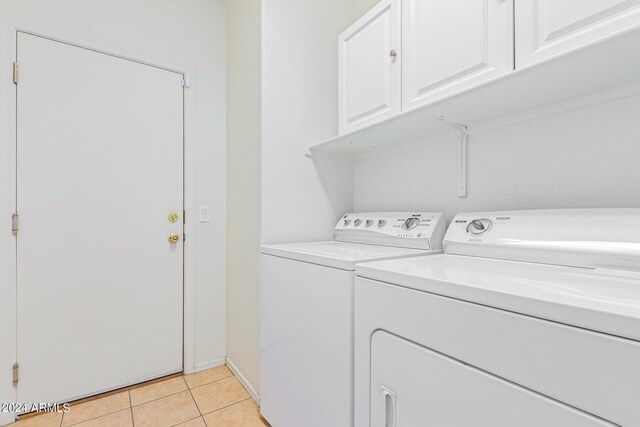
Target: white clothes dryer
(307, 313)
(528, 319)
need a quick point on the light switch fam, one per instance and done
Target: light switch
(204, 213)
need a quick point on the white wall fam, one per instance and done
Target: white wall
(360, 7)
(193, 33)
(243, 177)
(586, 157)
(302, 198)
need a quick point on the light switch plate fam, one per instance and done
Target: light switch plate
(204, 213)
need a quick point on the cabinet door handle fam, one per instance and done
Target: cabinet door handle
(389, 407)
(393, 53)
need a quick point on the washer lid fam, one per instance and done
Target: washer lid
(339, 254)
(601, 300)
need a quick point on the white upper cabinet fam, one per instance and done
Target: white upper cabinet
(449, 46)
(411, 54)
(369, 67)
(545, 28)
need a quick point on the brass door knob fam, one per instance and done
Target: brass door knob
(173, 238)
(173, 217)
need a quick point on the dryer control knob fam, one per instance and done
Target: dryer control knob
(382, 223)
(411, 223)
(479, 226)
(369, 223)
(357, 222)
(347, 222)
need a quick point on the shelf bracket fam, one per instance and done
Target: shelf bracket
(462, 131)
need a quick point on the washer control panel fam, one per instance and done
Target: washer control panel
(588, 238)
(420, 230)
(479, 226)
(411, 223)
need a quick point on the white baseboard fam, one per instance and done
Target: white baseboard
(243, 380)
(208, 365)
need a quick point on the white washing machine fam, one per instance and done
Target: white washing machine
(529, 319)
(307, 313)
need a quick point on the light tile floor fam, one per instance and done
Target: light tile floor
(211, 398)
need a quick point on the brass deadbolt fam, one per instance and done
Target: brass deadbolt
(173, 238)
(173, 217)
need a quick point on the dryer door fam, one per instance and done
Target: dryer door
(414, 386)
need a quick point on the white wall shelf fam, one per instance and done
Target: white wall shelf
(610, 64)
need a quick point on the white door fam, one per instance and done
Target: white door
(369, 67)
(99, 169)
(414, 386)
(450, 46)
(545, 28)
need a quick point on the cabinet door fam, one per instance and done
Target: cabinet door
(449, 46)
(414, 386)
(545, 28)
(369, 67)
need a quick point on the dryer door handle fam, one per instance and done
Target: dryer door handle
(390, 399)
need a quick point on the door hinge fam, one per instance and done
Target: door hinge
(184, 217)
(15, 373)
(15, 73)
(14, 224)
(186, 81)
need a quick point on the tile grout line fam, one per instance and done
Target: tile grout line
(210, 382)
(176, 425)
(193, 398)
(133, 422)
(158, 398)
(177, 392)
(103, 415)
(228, 406)
(97, 418)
